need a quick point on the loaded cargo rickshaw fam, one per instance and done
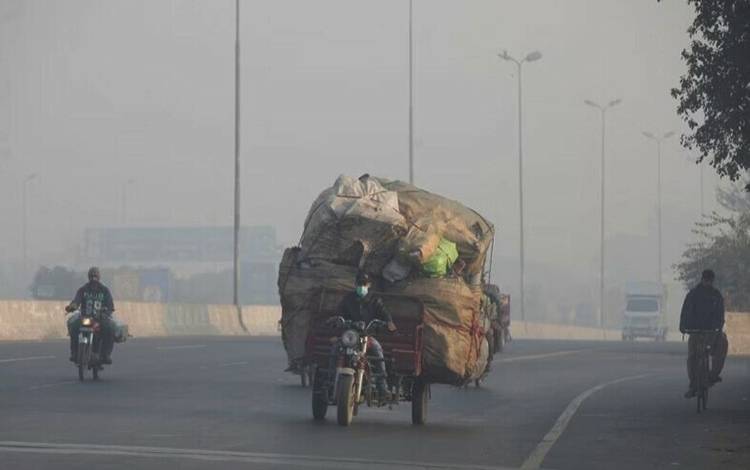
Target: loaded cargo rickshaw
(344, 374)
(427, 256)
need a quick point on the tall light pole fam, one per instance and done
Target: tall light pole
(603, 111)
(659, 139)
(411, 92)
(530, 57)
(124, 200)
(24, 215)
(236, 257)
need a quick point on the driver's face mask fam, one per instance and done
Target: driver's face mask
(362, 291)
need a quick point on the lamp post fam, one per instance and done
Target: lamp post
(411, 92)
(603, 111)
(24, 222)
(236, 255)
(659, 139)
(530, 57)
(124, 200)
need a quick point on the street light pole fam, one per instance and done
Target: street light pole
(530, 57)
(24, 216)
(603, 111)
(236, 257)
(659, 140)
(411, 92)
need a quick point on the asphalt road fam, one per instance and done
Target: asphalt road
(190, 403)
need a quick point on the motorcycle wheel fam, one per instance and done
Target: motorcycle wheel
(95, 372)
(82, 362)
(345, 400)
(420, 395)
(303, 378)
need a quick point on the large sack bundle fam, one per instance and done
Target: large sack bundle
(407, 239)
(299, 290)
(355, 219)
(454, 346)
(472, 233)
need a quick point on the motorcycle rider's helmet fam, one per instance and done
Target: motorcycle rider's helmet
(94, 273)
(362, 279)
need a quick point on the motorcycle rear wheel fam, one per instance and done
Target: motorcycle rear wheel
(345, 400)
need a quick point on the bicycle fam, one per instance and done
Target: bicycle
(702, 365)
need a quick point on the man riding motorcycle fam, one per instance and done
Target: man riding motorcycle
(363, 305)
(703, 309)
(93, 299)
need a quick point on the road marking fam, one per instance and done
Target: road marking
(230, 364)
(534, 461)
(53, 384)
(31, 358)
(308, 461)
(187, 346)
(541, 356)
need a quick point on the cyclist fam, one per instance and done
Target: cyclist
(703, 309)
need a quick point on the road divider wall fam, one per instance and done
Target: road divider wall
(40, 320)
(738, 333)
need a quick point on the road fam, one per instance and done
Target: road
(187, 403)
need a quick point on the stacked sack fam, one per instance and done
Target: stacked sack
(413, 243)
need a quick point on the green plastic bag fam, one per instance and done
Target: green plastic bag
(442, 261)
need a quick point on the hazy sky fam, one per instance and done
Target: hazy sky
(93, 93)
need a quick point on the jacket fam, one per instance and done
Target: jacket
(365, 309)
(94, 298)
(703, 309)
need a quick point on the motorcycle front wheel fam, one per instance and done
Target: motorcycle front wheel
(345, 400)
(420, 395)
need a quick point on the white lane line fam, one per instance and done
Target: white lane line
(535, 459)
(307, 461)
(53, 384)
(186, 346)
(541, 356)
(30, 358)
(230, 364)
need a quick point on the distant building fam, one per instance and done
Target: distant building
(159, 255)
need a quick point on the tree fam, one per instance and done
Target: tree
(714, 94)
(724, 245)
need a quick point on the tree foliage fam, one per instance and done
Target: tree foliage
(714, 94)
(724, 246)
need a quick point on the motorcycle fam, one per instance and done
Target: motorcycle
(89, 346)
(352, 382)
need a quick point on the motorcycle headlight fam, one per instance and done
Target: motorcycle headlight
(86, 322)
(349, 338)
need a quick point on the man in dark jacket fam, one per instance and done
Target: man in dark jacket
(93, 299)
(363, 305)
(703, 309)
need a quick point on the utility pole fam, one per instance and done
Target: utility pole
(603, 111)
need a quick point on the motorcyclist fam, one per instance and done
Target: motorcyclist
(93, 299)
(363, 305)
(703, 309)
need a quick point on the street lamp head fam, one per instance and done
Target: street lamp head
(532, 56)
(591, 103)
(668, 134)
(614, 102)
(504, 55)
(32, 176)
(649, 135)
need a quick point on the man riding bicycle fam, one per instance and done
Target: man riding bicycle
(703, 309)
